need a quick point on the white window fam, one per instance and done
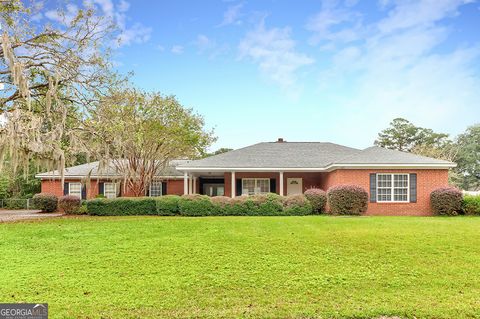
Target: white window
(75, 189)
(393, 188)
(110, 190)
(252, 186)
(155, 189)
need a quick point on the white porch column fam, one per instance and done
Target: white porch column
(233, 185)
(194, 184)
(281, 183)
(185, 183)
(190, 184)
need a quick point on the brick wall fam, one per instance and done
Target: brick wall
(427, 180)
(174, 187)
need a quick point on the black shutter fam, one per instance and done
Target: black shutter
(273, 185)
(101, 188)
(147, 191)
(120, 189)
(413, 188)
(373, 187)
(84, 191)
(164, 188)
(238, 187)
(65, 188)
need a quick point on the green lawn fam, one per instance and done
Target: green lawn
(274, 267)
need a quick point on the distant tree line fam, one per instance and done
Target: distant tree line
(463, 149)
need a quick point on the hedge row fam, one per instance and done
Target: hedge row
(200, 205)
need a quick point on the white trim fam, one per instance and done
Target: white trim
(70, 189)
(255, 184)
(150, 188)
(232, 188)
(392, 188)
(327, 168)
(185, 183)
(105, 189)
(281, 184)
(43, 176)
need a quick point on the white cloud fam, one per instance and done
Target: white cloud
(177, 49)
(115, 12)
(232, 15)
(204, 43)
(63, 17)
(394, 69)
(275, 52)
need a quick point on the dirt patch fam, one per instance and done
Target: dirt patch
(24, 214)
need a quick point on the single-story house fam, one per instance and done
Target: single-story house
(398, 183)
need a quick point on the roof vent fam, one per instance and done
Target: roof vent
(280, 140)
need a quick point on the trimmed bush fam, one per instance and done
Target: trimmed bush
(221, 205)
(123, 206)
(318, 199)
(46, 202)
(167, 205)
(69, 204)
(257, 205)
(347, 200)
(471, 205)
(195, 205)
(297, 205)
(446, 201)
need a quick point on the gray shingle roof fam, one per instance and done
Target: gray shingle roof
(379, 155)
(273, 154)
(312, 155)
(92, 169)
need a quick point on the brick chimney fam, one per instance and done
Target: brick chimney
(280, 140)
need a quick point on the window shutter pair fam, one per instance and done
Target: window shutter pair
(412, 190)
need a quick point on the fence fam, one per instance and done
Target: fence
(16, 203)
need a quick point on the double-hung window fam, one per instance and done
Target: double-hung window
(110, 190)
(75, 189)
(392, 187)
(155, 189)
(252, 186)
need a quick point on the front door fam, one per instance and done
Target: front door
(294, 186)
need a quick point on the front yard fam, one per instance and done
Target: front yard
(293, 267)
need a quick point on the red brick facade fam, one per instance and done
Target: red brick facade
(427, 180)
(174, 187)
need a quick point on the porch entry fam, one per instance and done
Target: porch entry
(212, 186)
(294, 186)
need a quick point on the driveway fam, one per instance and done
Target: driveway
(23, 214)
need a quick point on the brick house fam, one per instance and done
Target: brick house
(398, 183)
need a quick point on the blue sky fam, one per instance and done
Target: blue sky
(336, 71)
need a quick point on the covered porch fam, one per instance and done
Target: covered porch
(238, 183)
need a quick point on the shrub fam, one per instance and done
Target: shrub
(318, 199)
(471, 205)
(347, 200)
(195, 205)
(69, 204)
(123, 206)
(45, 202)
(297, 205)
(167, 205)
(446, 201)
(15, 203)
(257, 205)
(221, 205)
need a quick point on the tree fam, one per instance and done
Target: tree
(468, 160)
(52, 75)
(141, 132)
(219, 151)
(404, 136)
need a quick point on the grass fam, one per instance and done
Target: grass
(251, 267)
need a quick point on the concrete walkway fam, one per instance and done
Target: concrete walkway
(24, 214)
